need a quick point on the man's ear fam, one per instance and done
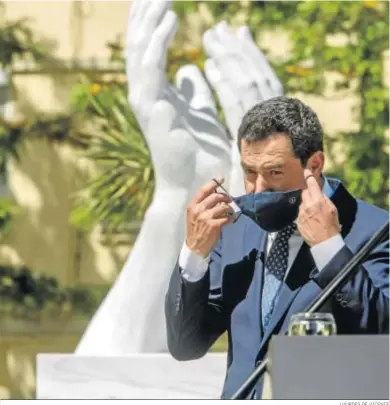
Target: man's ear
(316, 163)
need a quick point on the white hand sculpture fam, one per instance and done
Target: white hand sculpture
(188, 146)
(241, 76)
(187, 142)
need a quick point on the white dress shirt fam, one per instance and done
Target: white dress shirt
(194, 267)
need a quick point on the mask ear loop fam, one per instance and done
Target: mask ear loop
(237, 211)
(222, 187)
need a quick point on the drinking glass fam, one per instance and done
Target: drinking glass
(309, 324)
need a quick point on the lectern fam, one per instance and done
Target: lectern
(334, 367)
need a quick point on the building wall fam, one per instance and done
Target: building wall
(43, 181)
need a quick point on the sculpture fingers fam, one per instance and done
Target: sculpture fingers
(231, 104)
(150, 21)
(226, 53)
(135, 7)
(149, 81)
(141, 29)
(194, 88)
(156, 52)
(223, 52)
(262, 66)
(252, 84)
(137, 11)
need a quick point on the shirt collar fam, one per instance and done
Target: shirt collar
(326, 189)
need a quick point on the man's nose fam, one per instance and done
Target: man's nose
(261, 185)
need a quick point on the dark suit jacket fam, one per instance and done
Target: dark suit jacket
(228, 297)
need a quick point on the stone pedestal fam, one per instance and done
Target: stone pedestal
(138, 376)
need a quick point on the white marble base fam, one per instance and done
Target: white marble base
(138, 376)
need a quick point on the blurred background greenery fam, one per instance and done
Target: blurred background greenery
(335, 51)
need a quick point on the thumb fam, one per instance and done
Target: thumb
(194, 88)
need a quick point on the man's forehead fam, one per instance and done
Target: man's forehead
(264, 163)
(270, 155)
(269, 145)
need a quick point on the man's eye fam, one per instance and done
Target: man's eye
(248, 171)
(276, 172)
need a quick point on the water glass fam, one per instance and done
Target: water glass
(309, 324)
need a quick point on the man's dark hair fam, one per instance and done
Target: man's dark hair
(284, 115)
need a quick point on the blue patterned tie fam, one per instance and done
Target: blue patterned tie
(276, 266)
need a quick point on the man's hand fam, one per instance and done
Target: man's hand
(207, 213)
(318, 218)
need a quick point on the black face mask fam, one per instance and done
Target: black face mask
(272, 211)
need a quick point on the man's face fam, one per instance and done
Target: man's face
(270, 165)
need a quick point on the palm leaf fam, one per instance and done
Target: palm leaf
(122, 189)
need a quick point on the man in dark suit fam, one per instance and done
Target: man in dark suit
(298, 229)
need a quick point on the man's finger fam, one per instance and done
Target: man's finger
(214, 199)
(220, 211)
(207, 189)
(220, 222)
(305, 196)
(312, 185)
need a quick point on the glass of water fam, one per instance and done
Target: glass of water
(309, 324)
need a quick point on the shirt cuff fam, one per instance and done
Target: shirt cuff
(324, 252)
(193, 267)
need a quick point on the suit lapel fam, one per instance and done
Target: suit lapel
(255, 237)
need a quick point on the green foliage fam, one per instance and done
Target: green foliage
(10, 138)
(18, 40)
(122, 188)
(8, 210)
(55, 128)
(24, 295)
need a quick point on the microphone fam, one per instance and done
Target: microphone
(337, 282)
